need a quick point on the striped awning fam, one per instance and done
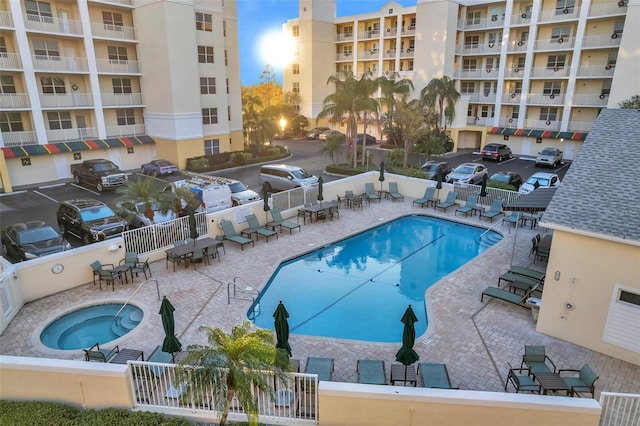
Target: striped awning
(74, 146)
(550, 134)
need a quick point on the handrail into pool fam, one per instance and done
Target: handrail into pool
(491, 227)
(134, 293)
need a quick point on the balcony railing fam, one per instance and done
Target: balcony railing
(598, 71)
(579, 126)
(19, 138)
(542, 124)
(508, 122)
(368, 54)
(511, 98)
(549, 73)
(479, 121)
(607, 9)
(116, 2)
(514, 73)
(369, 34)
(390, 32)
(483, 98)
(48, 24)
(408, 31)
(569, 13)
(564, 43)
(60, 63)
(344, 56)
(496, 21)
(14, 101)
(67, 100)
(66, 135)
(605, 41)
(130, 130)
(521, 18)
(546, 99)
(6, 20)
(117, 32)
(407, 53)
(478, 49)
(590, 99)
(517, 46)
(389, 53)
(10, 61)
(111, 66)
(344, 37)
(122, 99)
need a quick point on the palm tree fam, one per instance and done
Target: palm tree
(437, 93)
(411, 122)
(232, 365)
(154, 193)
(351, 98)
(332, 147)
(392, 90)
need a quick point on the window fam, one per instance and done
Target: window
(296, 68)
(11, 122)
(38, 11)
(613, 58)
(471, 111)
(295, 31)
(606, 87)
(471, 42)
(347, 50)
(622, 318)
(410, 67)
(489, 64)
(46, 49)
(224, 28)
(52, 85)
(469, 65)
(473, 18)
(347, 31)
(491, 39)
(551, 88)
(7, 84)
(560, 34)
(486, 111)
(125, 117)
(617, 29)
(515, 112)
(112, 21)
(204, 21)
(205, 54)
(229, 113)
(556, 62)
(117, 54)
(207, 85)
(518, 87)
(121, 85)
(227, 86)
(296, 87)
(548, 114)
(347, 68)
(3, 47)
(226, 58)
(211, 146)
(209, 115)
(467, 87)
(565, 6)
(59, 120)
(521, 62)
(524, 36)
(487, 87)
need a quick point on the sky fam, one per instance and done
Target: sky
(258, 18)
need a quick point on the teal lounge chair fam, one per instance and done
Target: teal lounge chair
(508, 296)
(255, 226)
(528, 272)
(584, 383)
(434, 375)
(427, 198)
(231, 234)
(494, 210)
(371, 372)
(323, 367)
(512, 219)
(394, 193)
(512, 276)
(472, 200)
(280, 222)
(536, 359)
(450, 201)
(370, 192)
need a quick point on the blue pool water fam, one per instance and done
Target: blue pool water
(82, 328)
(359, 288)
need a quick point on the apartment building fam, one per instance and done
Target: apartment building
(531, 73)
(127, 80)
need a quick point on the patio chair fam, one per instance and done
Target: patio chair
(427, 198)
(141, 268)
(280, 222)
(536, 360)
(528, 272)
(231, 234)
(370, 192)
(212, 250)
(198, 256)
(469, 205)
(371, 371)
(520, 382)
(434, 375)
(583, 383)
(450, 201)
(512, 276)
(394, 193)
(494, 210)
(97, 354)
(255, 226)
(130, 259)
(173, 258)
(512, 219)
(105, 272)
(323, 367)
(304, 213)
(507, 296)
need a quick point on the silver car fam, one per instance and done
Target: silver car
(549, 157)
(468, 173)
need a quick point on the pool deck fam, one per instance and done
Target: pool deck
(474, 339)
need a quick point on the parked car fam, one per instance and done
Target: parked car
(467, 173)
(101, 173)
(549, 157)
(431, 169)
(508, 178)
(240, 194)
(90, 220)
(158, 168)
(133, 214)
(496, 151)
(315, 132)
(324, 135)
(540, 180)
(281, 177)
(370, 140)
(29, 240)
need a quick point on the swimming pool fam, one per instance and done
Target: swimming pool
(358, 288)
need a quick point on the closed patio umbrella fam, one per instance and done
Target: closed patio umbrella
(193, 227)
(483, 187)
(282, 328)
(439, 182)
(381, 177)
(406, 355)
(171, 344)
(320, 184)
(265, 199)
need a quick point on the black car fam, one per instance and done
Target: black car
(29, 240)
(431, 169)
(370, 140)
(508, 178)
(90, 220)
(496, 151)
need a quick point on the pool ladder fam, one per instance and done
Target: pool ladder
(241, 290)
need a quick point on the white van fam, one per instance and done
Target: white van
(213, 197)
(281, 177)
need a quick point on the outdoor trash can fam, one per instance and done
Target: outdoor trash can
(534, 304)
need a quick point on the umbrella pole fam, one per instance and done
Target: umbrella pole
(515, 236)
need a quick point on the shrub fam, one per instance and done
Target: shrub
(241, 158)
(197, 163)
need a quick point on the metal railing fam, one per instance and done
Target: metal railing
(619, 409)
(162, 235)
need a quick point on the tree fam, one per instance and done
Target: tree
(432, 142)
(232, 365)
(436, 94)
(152, 192)
(411, 122)
(633, 103)
(333, 146)
(297, 124)
(392, 91)
(268, 88)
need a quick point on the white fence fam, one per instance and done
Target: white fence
(162, 235)
(619, 409)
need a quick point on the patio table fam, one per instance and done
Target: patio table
(184, 251)
(320, 209)
(127, 354)
(551, 382)
(398, 374)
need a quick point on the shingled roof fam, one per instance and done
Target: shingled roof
(601, 191)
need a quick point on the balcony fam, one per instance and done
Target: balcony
(368, 54)
(590, 100)
(407, 53)
(409, 31)
(479, 49)
(51, 25)
(520, 19)
(59, 63)
(113, 32)
(482, 97)
(6, 20)
(344, 37)
(511, 98)
(508, 122)
(517, 46)
(67, 135)
(19, 138)
(596, 71)
(579, 126)
(601, 41)
(120, 131)
(10, 61)
(369, 34)
(542, 124)
(546, 100)
(66, 100)
(480, 121)
(390, 32)
(514, 73)
(607, 9)
(568, 14)
(496, 21)
(111, 66)
(389, 53)
(114, 2)
(14, 101)
(564, 43)
(549, 73)
(344, 56)
(122, 99)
